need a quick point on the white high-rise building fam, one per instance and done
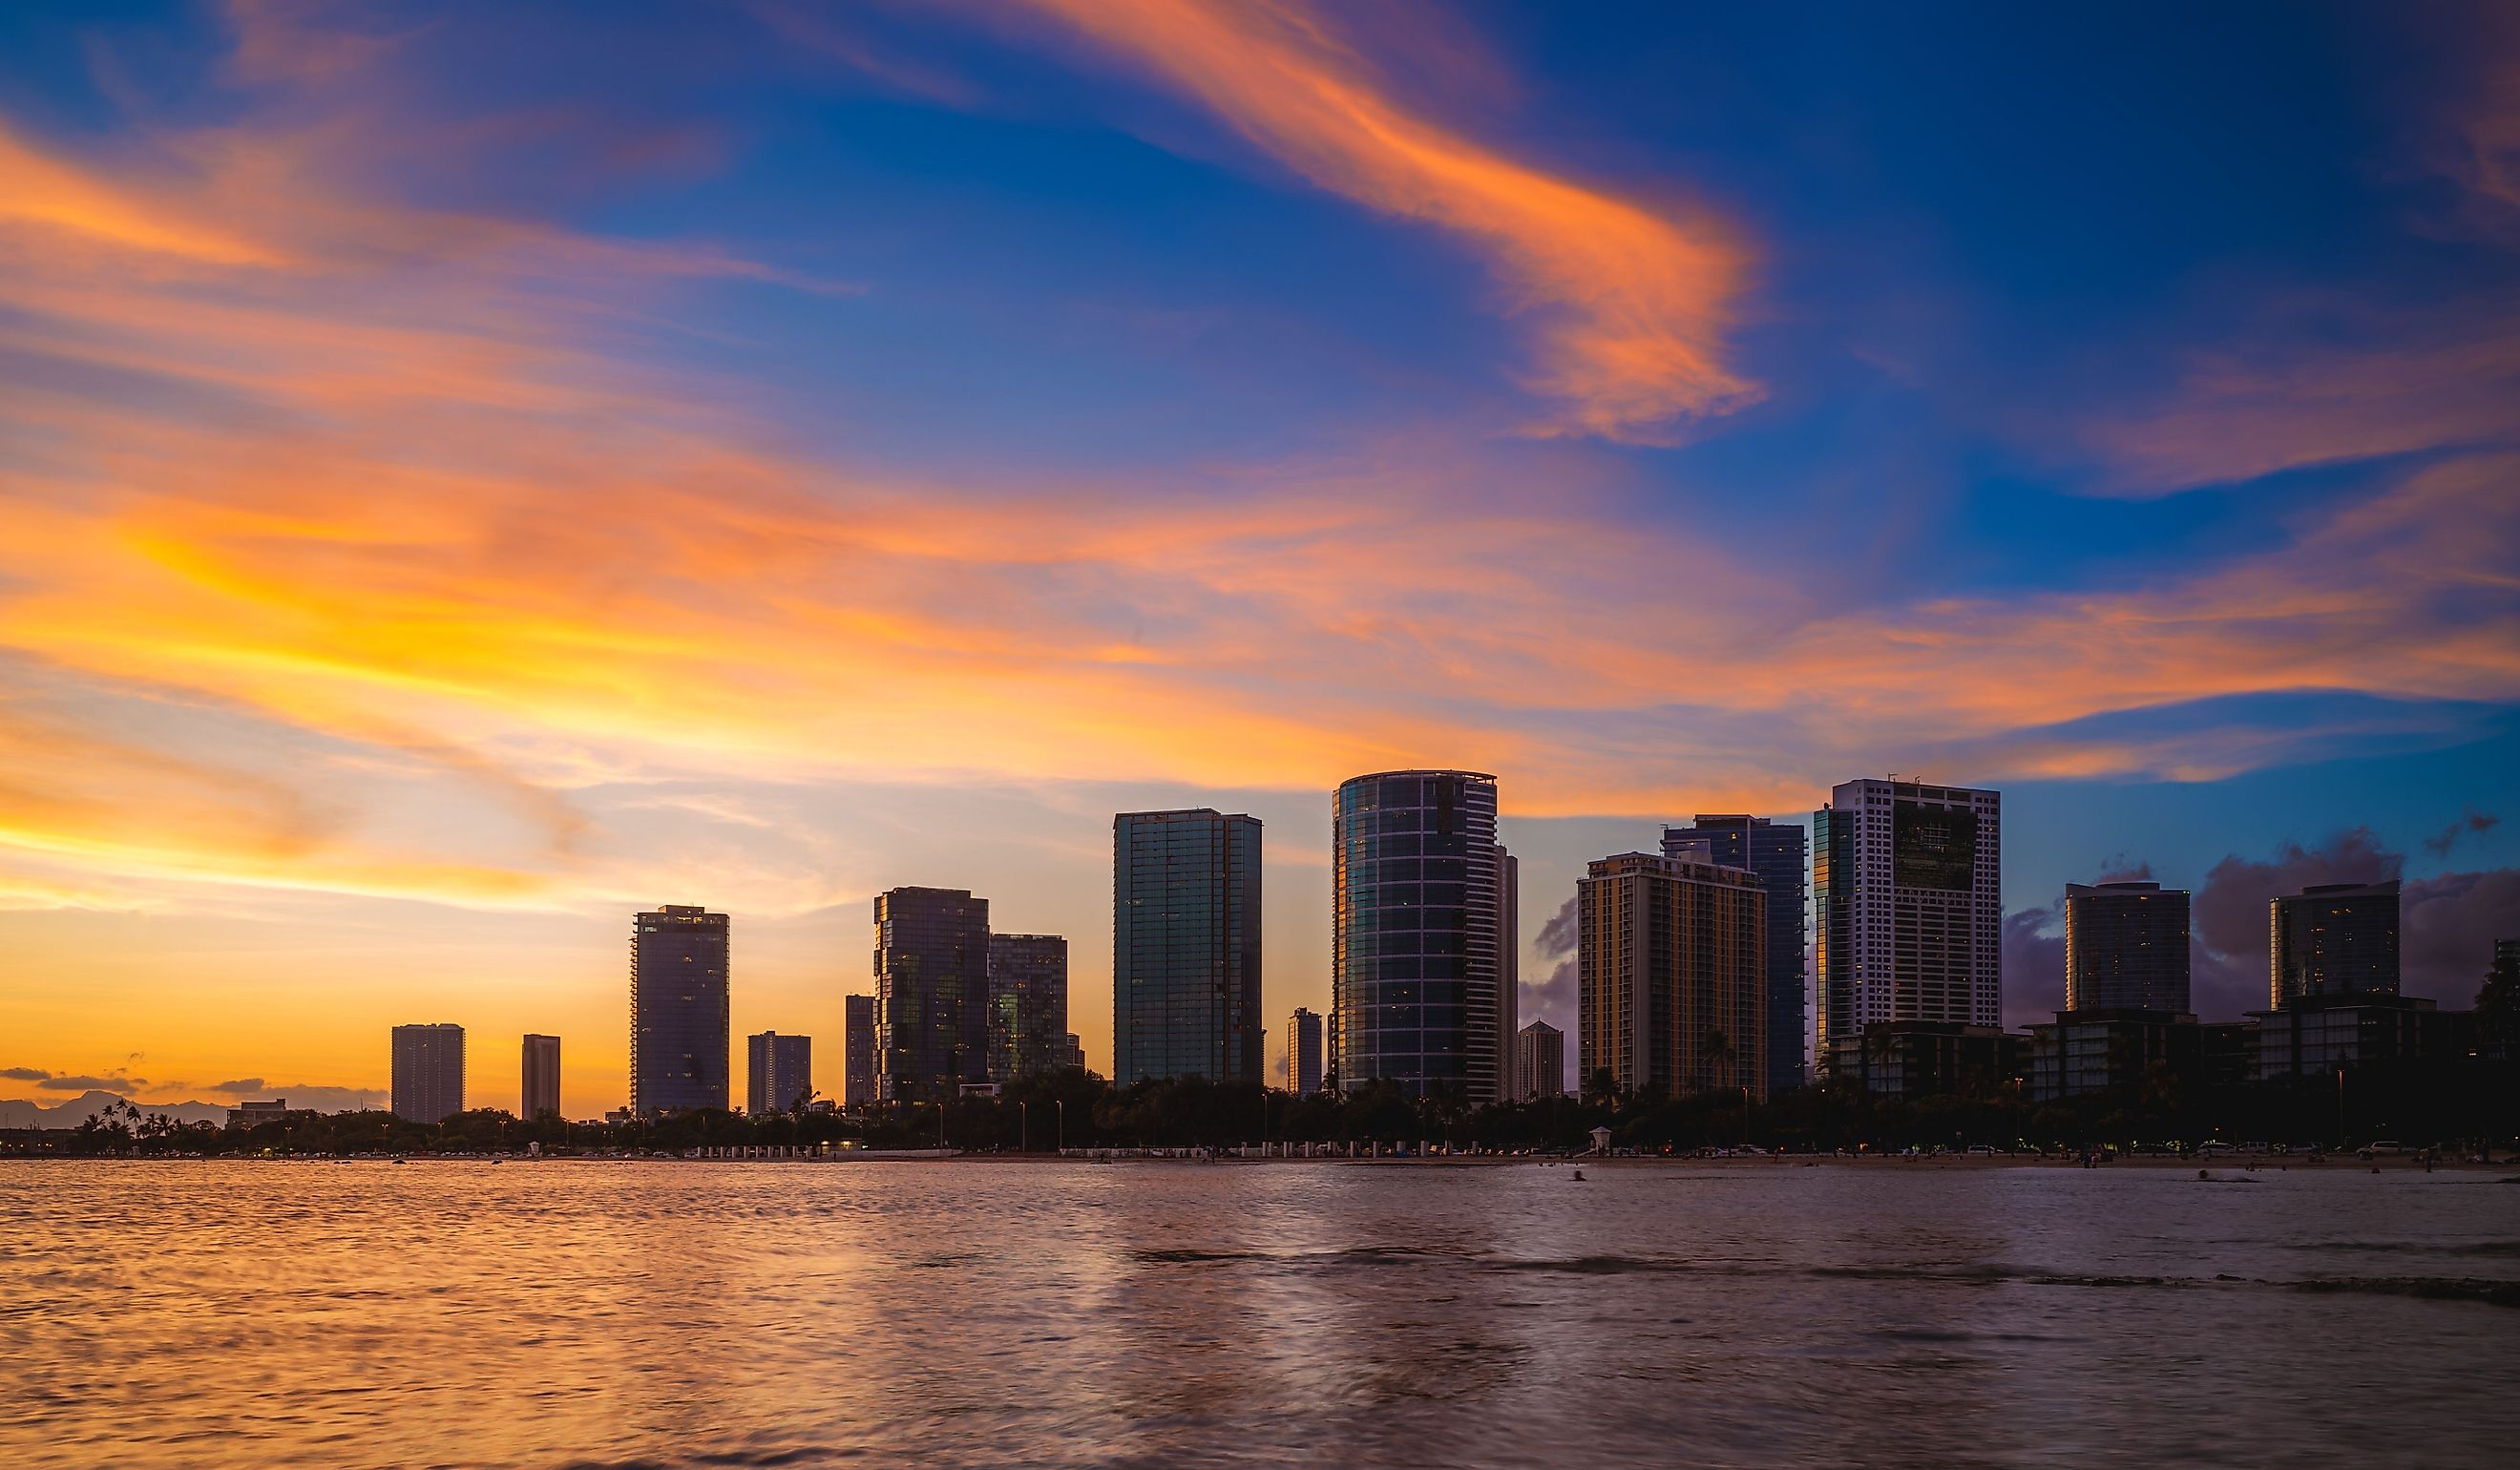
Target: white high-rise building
(1908, 906)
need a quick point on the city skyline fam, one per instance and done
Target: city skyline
(454, 508)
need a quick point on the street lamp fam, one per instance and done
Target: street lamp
(1023, 1126)
(1063, 1125)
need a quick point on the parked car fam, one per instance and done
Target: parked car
(2381, 1146)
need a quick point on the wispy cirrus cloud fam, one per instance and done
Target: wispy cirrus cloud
(1631, 304)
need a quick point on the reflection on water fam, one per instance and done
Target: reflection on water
(241, 1314)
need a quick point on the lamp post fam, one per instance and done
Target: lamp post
(1063, 1125)
(1023, 1126)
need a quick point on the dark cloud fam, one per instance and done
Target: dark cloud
(2440, 843)
(1553, 999)
(1557, 936)
(2034, 965)
(236, 1085)
(2124, 869)
(24, 1074)
(120, 1085)
(2446, 928)
(2447, 924)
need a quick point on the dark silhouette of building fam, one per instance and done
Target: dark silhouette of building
(1027, 1004)
(1417, 968)
(1540, 1068)
(781, 1075)
(2126, 948)
(1508, 983)
(1671, 974)
(257, 1113)
(1779, 856)
(931, 978)
(2098, 1050)
(682, 1035)
(1926, 1058)
(427, 1072)
(2316, 1035)
(2335, 939)
(1186, 947)
(1304, 1052)
(857, 1042)
(541, 1091)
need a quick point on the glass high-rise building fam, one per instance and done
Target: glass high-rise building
(1671, 975)
(541, 1091)
(1304, 1053)
(682, 1036)
(1027, 1004)
(2333, 939)
(1779, 855)
(781, 1072)
(1417, 931)
(932, 979)
(1907, 902)
(1186, 947)
(427, 1072)
(858, 1047)
(2126, 948)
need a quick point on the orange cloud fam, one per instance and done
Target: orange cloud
(1632, 304)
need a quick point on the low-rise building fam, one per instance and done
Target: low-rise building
(1925, 1058)
(260, 1111)
(2320, 1033)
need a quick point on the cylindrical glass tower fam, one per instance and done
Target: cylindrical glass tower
(1415, 905)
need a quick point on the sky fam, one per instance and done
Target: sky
(468, 472)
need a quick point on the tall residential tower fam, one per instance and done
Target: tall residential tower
(682, 1037)
(781, 1072)
(2333, 939)
(541, 1091)
(1671, 975)
(1186, 947)
(931, 977)
(1908, 908)
(1416, 932)
(427, 1072)
(2126, 948)
(1027, 1004)
(1778, 855)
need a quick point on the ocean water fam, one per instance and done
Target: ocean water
(1174, 1314)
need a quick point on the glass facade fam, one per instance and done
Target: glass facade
(682, 1039)
(931, 977)
(2335, 939)
(1416, 930)
(2126, 948)
(1778, 855)
(1027, 1004)
(1186, 947)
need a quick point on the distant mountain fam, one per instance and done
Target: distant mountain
(88, 1105)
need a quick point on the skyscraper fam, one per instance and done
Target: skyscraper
(1777, 854)
(1027, 1004)
(782, 1072)
(1186, 947)
(427, 1072)
(2126, 948)
(682, 1037)
(931, 978)
(2335, 939)
(1508, 1008)
(541, 1093)
(1304, 1053)
(1671, 974)
(1907, 902)
(858, 1045)
(1417, 972)
(1539, 1068)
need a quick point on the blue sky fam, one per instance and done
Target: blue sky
(479, 471)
